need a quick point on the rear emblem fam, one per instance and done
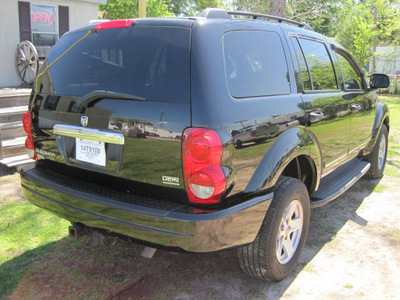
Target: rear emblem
(170, 180)
(84, 121)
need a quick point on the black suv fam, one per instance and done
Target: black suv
(135, 127)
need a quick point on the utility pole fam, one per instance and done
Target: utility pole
(375, 12)
(142, 8)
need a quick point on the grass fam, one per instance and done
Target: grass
(348, 286)
(255, 293)
(379, 188)
(395, 233)
(28, 233)
(394, 134)
(309, 267)
(8, 179)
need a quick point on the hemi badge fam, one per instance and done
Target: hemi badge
(170, 180)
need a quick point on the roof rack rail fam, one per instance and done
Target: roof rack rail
(271, 17)
(221, 13)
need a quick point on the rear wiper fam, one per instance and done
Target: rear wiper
(101, 94)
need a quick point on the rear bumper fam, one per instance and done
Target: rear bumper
(151, 220)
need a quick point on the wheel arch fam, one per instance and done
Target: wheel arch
(296, 153)
(381, 117)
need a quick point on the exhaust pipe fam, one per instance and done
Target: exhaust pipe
(76, 230)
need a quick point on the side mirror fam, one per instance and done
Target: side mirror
(379, 81)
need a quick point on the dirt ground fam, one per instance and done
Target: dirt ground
(353, 250)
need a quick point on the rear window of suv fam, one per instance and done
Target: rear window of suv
(149, 62)
(255, 64)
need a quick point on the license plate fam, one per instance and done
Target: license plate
(92, 152)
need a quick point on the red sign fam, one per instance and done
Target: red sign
(43, 16)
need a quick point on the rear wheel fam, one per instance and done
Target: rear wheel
(239, 144)
(274, 253)
(377, 157)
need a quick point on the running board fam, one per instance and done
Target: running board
(337, 182)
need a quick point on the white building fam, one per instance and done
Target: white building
(387, 60)
(40, 21)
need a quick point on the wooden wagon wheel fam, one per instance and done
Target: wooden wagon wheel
(27, 62)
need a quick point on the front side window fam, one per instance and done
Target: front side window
(351, 78)
(44, 25)
(320, 65)
(255, 64)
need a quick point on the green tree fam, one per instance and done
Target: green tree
(351, 22)
(158, 8)
(272, 7)
(357, 26)
(319, 14)
(203, 4)
(182, 7)
(256, 6)
(123, 9)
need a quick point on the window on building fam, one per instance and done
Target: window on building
(44, 24)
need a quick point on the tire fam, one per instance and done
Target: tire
(239, 144)
(260, 259)
(378, 155)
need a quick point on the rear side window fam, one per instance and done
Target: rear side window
(319, 64)
(255, 64)
(149, 62)
(305, 76)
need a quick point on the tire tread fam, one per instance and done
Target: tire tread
(253, 258)
(374, 172)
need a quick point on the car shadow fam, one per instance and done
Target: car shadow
(13, 270)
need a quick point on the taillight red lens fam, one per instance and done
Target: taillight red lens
(253, 133)
(115, 24)
(199, 148)
(26, 121)
(204, 178)
(30, 147)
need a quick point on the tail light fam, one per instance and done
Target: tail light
(253, 133)
(26, 121)
(115, 24)
(29, 145)
(202, 153)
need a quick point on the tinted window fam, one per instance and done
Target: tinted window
(150, 62)
(255, 64)
(319, 64)
(305, 76)
(351, 77)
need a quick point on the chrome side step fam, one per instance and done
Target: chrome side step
(340, 180)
